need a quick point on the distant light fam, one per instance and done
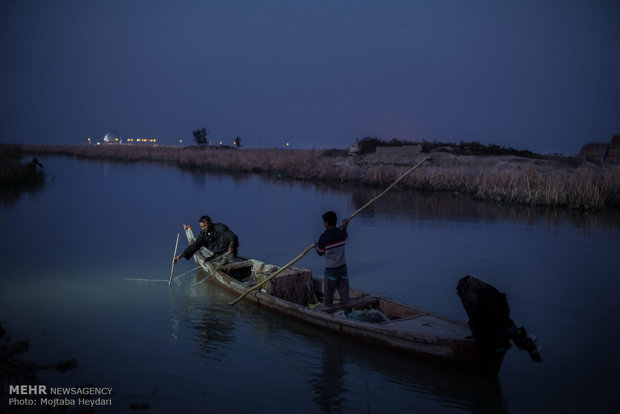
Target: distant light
(288, 144)
(180, 141)
(221, 142)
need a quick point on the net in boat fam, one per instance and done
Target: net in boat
(293, 285)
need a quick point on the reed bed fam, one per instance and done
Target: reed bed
(581, 186)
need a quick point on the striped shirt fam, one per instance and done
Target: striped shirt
(331, 244)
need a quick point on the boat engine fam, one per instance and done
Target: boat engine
(489, 318)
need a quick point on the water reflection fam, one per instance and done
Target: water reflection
(462, 207)
(424, 204)
(328, 382)
(212, 331)
(204, 311)
(200, 177)
(429, 382)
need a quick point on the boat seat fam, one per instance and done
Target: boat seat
(353, 303)
(235, 265)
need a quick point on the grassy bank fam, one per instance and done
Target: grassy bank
(566, 182)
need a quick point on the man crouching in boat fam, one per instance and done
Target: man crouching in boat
(331, 245)
(216, 237)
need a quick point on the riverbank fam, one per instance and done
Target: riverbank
(543, 181)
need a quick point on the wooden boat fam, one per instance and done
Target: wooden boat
(371, 319)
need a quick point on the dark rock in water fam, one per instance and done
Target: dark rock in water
(489, 318)
(34, 163)
(63, 366)
(139, 406)
(18, 347)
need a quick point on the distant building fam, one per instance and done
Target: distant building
(112, 137)
(603, 152)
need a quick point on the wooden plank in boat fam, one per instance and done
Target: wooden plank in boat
(404, 319)
(427, 324)
(363, 301)
(237, 265)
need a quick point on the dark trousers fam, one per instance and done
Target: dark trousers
(336, 278)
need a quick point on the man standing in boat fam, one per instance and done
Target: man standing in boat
(216, 237)
(331, 245)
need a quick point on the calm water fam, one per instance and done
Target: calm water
(71, 254)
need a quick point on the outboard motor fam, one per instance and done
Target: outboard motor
(489, 318)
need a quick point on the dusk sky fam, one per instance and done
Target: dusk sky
(537, 75)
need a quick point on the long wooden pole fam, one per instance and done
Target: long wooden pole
(283, 268)
(302, 254)
(173, 256)
(409, 171)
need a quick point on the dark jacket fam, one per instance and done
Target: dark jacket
(217, 240)
(331, 244)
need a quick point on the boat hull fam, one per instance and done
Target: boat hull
(410, 330)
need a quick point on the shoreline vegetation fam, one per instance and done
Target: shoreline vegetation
(483, 172)
(17, 177)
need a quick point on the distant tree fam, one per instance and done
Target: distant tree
(368, 145)
(237, 142)
(200, 136)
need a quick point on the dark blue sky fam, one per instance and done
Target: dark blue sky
(538, 75)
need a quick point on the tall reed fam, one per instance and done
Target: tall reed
(584, 188)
